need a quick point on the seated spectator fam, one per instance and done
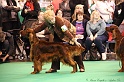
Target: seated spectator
(29, 13)
(73, 3)
(6, 45)
(30, 10)
(96, 33)
(106, 10)
(78, 8)
(9, 14)
(80, 24)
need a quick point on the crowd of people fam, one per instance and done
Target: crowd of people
(80, 22)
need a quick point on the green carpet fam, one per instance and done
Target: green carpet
(95, 71)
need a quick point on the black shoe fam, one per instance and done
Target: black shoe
(51, 71)
(1, 61)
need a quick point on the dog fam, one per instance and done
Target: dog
(44, 52)
(119, 45)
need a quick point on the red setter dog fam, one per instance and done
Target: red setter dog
(43, 52)
(119, 45)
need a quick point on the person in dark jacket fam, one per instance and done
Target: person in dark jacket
(30, 14)
(0, 16)
(119, 17)
(9, 14)
(64, 6)
(30, 10)
(6, 45)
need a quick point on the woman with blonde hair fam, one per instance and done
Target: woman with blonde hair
(78, 8)
(95, 29)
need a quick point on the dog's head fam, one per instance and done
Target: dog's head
(114, 30)
(28, 33)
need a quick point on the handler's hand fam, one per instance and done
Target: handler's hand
(77, 43)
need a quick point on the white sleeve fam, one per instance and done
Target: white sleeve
(64, 28)
(101, 7)
(3, 3)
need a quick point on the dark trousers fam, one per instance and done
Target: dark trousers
(56, 63)
(4, 47)
(98, 42)
(10, 25)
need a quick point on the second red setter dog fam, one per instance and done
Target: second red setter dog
(43, 52)
(119, 45)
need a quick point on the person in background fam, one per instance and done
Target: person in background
(120, 12)
(10, 19)
(59, 13)
(73, 3)
(106, 10)
(64, 6)
(30, 10)
(79, 7)
(80, 24)
(92, 5)
(62, 30)
(55, 4)
(29, 13)
(0, 16)
(20, 3)
(96, 33)
(49, 7)
(44, 34)
(6, 45)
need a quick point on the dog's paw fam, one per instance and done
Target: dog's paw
(73, 71)
(121, 70)
(34, 72)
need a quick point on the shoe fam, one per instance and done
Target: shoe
(1, 61)
(82, 70)
(103, 56)
(51, 71)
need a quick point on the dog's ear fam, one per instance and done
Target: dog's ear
(111, 28)
(29, 30)
(22, 33)
(108, 29)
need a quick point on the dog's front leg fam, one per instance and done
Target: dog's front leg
(122, 63)
(73, 64)
(74, 68)
(37, 67)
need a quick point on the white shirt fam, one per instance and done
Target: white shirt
(105, 10)
(3, 3)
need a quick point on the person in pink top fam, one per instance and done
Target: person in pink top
(55, 3)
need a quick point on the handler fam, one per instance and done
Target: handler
(62, 30)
